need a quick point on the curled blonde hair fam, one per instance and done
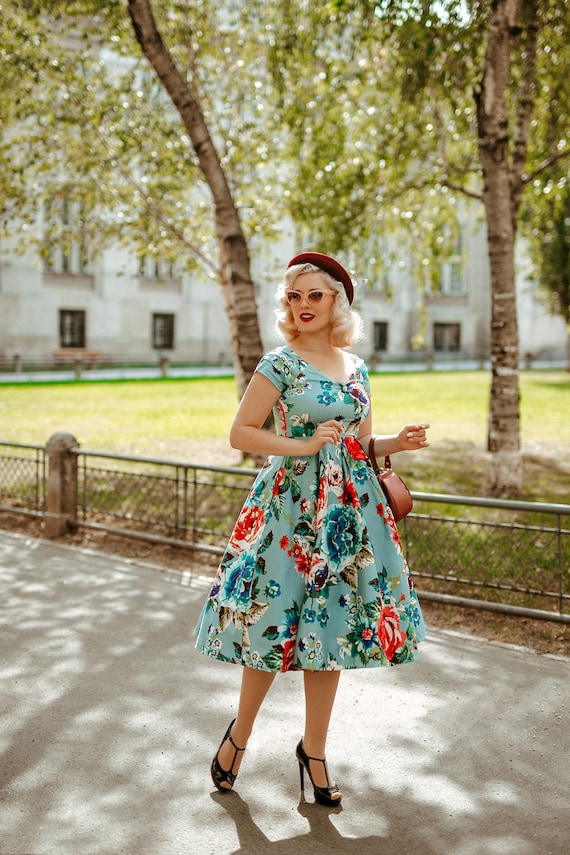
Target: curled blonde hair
(346, 324)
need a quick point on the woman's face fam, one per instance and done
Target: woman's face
(311, 300)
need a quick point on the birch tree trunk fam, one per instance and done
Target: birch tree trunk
(234, 273)
(502, 190)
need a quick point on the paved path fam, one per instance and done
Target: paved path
(109, 719)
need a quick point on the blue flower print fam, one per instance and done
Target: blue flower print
(343, 535)
(323, 617)
(309, 615)
(273, 589)
(327, 395)
(235, 592)
(313, 648)
(360, 472)
(357, 391)
(288, 629)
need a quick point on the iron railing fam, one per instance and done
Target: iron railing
(510, 556)
(186, 504)
(22, 478)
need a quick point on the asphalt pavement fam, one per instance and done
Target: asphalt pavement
(109, 719)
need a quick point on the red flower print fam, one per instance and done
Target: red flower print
(367, 634)
(287, 663)
(282, 418)
(354, 448)
(394, 529)
(301, 557)
(383, 511)
(350, 496)
(278, 481)
(390, 632)
(284, 542)
(247, 528)
(322, 494)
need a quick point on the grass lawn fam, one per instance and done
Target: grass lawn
(190, 420)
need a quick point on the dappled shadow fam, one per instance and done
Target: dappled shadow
(110, 719)
(322, 835)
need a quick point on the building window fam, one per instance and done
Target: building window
(163, 332)
(447, 337)
(64, 243)
(453, 272)
(71, 328)
(153, 267)
(380, 336)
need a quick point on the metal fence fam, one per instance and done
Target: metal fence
(23, 478)
(509, 556)
(186, 504)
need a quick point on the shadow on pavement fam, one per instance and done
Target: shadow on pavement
(110, 719)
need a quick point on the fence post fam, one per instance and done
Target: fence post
(164, 363)
(61, 500)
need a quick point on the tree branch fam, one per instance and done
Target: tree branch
(550, 161)
(458, 189)
(443, 147)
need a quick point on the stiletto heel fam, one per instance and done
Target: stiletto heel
(222, 776)
(302, 781)
(323, 795)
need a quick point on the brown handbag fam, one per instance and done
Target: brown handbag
(396, 492)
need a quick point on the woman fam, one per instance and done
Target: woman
(313, 578)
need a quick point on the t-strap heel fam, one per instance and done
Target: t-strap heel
(221, 776)
(323, 795)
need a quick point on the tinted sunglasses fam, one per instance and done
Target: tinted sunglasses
(295, 297)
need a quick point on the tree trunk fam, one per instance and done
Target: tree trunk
(234, 273)
(493, 134)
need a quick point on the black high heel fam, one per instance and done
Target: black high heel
(323, 795)
(221, 776)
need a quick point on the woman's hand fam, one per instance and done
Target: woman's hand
(412, 437)
(330, 431)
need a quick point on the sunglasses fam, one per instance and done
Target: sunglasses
(295, 297)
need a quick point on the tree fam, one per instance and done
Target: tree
(451, 99)
(234, 267)
(109, 126)
(385, 114)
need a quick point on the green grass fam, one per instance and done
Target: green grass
(161, 418)
(145, 417)
(457, 404)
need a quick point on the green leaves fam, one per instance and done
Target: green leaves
(84, 113)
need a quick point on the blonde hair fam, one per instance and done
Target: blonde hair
(346, 324)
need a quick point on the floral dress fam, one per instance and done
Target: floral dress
(313, 577)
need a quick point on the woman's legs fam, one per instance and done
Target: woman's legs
(254, 686)
(320, 693)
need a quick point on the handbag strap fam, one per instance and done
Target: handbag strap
(372, 457)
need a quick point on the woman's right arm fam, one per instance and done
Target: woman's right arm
(247, 432)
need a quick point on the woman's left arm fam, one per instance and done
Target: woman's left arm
(409, 438)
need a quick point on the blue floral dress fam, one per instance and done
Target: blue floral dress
(313, 577)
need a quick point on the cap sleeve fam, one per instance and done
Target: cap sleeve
(278, 367)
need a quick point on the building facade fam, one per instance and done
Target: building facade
(123, 309)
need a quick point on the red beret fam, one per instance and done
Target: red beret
(329, 265)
